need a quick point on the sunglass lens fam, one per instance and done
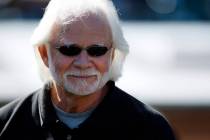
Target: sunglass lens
(73, 50)
(97, 51)
(70, 50)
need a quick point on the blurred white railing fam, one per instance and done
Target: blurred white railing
(169, 63)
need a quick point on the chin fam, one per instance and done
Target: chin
(85, 86)
(81, 87)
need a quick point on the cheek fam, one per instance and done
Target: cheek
(102, 64)
(59, 63)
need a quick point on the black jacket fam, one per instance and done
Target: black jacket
(118, 117)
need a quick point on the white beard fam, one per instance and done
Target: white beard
(82, 86)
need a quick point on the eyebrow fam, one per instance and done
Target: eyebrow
(72, 43)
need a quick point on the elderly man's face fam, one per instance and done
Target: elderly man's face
(82, 74)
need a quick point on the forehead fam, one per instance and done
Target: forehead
(85, 29)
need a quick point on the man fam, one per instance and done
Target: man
(81, 50)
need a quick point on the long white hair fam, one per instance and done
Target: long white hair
(62, 12)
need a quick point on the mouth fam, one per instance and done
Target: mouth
(82, 76)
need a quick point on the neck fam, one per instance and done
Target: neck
(71, 103)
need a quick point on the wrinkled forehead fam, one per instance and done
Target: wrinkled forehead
(86, 24)
(88, 18)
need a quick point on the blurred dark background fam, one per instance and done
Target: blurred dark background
(150, 10)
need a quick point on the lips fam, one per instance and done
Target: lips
(82, 76)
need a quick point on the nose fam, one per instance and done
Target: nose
(82, 60)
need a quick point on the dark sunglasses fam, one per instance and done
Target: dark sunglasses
(74, 50)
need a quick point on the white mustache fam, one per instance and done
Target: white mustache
(88, 72)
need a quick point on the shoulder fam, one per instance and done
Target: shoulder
(7, 110)
(130, 103)
(152, 121)
(17, 107)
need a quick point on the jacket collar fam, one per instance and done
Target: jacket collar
(47, 113)
(46, 110)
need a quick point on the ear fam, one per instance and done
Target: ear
(43, 53)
